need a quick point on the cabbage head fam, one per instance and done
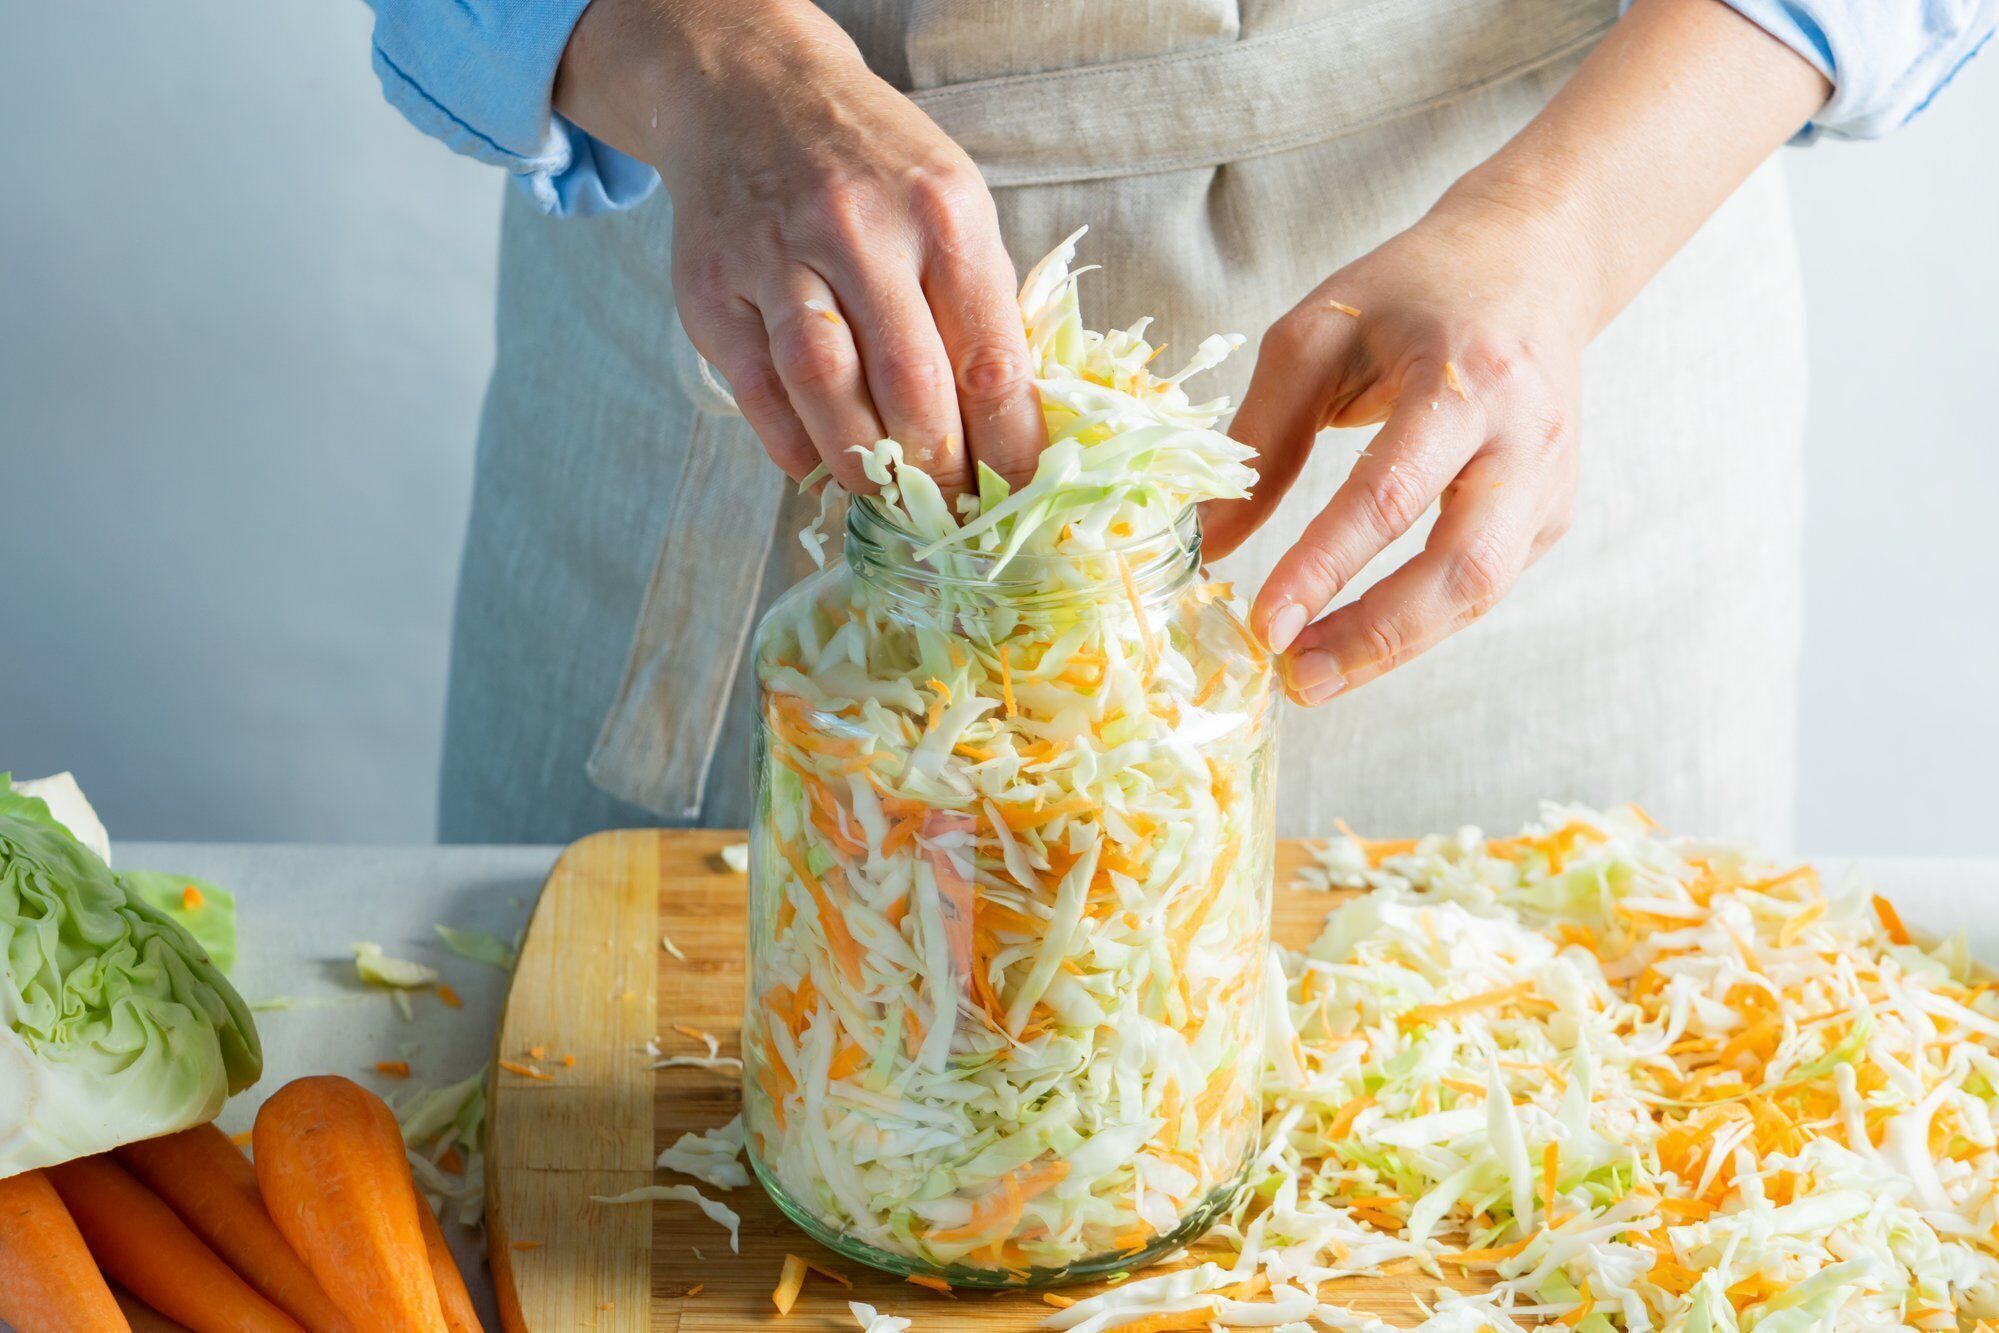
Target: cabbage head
(114, 1024)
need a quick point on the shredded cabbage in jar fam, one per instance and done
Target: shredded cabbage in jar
(1631, 1082)
(1013, 850)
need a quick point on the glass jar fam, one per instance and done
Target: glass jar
(1009, 905)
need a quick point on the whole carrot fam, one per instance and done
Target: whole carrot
(48, 1281)
(143, 1317)
(460, 1315)
(331, 1167)
(138, 1240)
(208, 1181)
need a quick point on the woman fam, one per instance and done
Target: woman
(1488, 184)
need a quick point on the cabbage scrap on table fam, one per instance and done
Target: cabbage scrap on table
(1633, 1082)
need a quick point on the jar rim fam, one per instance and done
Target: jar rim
(884, 554)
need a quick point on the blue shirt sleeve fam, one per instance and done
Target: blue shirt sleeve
(478, 74)
(1886, 59)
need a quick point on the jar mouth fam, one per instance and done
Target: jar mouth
(1149, 568)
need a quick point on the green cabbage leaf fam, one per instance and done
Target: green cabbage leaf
(115, 1024)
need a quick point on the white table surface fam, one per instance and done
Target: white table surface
(301, 908)
(299, 912)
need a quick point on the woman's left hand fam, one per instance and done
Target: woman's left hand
(1463, 335)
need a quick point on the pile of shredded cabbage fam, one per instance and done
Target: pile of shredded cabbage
(1013, 856)
(1631, 1082)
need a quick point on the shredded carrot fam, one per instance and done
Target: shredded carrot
(789, 1282)
(1551, 1171)
(1344, 308)
(1453, 383)
(1145, 633)
(695, 1290)
(1585, 1303)
(525, 1071)
(241, 1140)
(1006, 684)
(1891, 920)
(451, 1160)
(1489, 1256)
(1343, 1118)
(449, 996)
(831, 1274)
(537, 1052)
(1430, 1013)
(527, 1244)
(569, 1062)
(936, 1284)
(1060, 1302)
(393, 1068)
(191, 898)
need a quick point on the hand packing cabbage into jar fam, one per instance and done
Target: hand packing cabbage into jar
(1011, 860)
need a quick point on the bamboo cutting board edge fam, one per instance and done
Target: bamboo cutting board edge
(594, 981)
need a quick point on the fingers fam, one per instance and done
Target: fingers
(1300, 365)
(1499, 515)
(908, 374)
(734, 341)
(813, 350)
(971, 292)
(1429, 437)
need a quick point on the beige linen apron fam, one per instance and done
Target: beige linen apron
(1227, 156)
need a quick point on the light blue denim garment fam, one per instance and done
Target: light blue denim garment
(477, 74)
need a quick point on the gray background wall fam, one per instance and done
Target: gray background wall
(244, 320)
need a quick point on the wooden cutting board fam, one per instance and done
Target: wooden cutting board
(594, 984)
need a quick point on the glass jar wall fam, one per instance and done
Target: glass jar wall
(1009, 905)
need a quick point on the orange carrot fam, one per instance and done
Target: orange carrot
(460, 1316)
(138, 1240)
(142, 1317)
(211, 1185)
(47, 1277)
(331, 1166)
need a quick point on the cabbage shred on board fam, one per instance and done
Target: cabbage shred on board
(1012, 853)
(1637, 1083)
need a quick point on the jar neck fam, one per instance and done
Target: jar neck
(1150, 571)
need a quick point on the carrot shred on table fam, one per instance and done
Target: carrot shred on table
(830, 1273)
(569, 1062)
(191, 899)
(393, 1068)
(1060, 1302)
(789, 1281)
(537, 1052)
(449, 996)
(936, 1284)
(525, 1071)
(696, 1289)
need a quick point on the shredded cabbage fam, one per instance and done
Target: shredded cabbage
(1635, 1082)
(1013, 850)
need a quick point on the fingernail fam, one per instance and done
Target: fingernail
(1315, 678)
(1284, 626)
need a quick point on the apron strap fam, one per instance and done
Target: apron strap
(1369, 64)
(657, 741)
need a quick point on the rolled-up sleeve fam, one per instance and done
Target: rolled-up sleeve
(478, 75)
(1886, 59)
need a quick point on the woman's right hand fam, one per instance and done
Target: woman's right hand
(835, 255)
